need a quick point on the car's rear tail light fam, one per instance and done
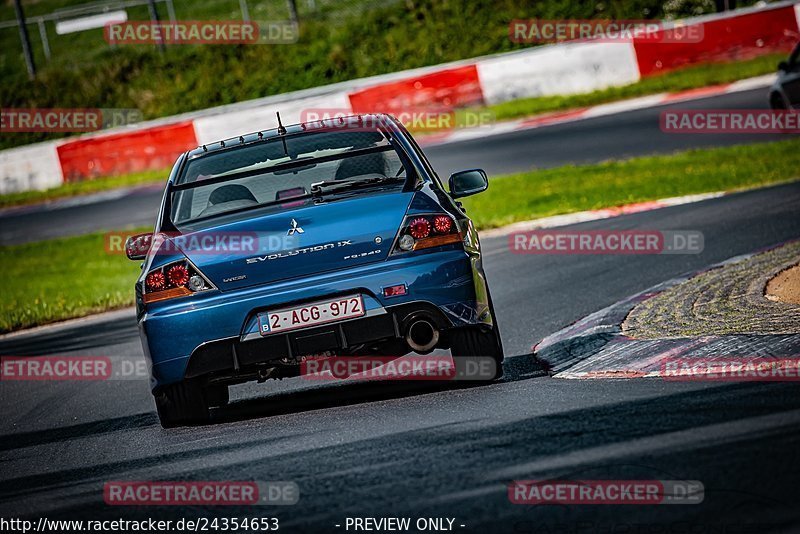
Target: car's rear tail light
(178, 275)
(437, 241)
(442, 224)
(156, 281)
(426, 231)
(420, 228)
(177, 279)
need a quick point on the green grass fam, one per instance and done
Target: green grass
(83, 188)
(679, 80)
(62, 278)
(70, 277)
(541, 193)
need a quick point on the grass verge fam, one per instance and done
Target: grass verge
(84, 188)
(62, 278)
(541, 193)
(71, 277)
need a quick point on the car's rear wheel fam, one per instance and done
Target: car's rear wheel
(477, 341)
(184, 403)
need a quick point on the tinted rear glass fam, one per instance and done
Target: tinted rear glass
(259, 173)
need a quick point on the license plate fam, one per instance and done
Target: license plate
(311, 314)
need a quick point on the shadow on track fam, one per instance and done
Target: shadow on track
(73, 338)
(345, 393)
(66, 433)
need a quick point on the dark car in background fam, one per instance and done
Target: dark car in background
(785, 92)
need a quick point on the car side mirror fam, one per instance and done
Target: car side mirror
(466, 183)
(783, 66)
(137, 246)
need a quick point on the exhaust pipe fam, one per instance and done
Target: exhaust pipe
(422, 336)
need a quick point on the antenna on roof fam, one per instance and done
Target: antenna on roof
(282, 132)
(281, 129)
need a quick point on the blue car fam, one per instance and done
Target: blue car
(326, 239)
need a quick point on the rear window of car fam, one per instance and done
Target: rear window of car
(263, 173)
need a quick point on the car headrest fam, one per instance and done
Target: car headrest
(228, 193)
(360, 165)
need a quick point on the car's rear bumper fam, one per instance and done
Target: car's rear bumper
(217, 333)
(232, 357)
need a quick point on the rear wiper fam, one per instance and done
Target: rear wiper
(336, 186)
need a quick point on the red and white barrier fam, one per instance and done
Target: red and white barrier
(123, 153)
(559, 69)
(733, 37)
(448, 88)
(28, 168)
(237, 122)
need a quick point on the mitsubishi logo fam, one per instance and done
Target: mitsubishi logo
(295, 228)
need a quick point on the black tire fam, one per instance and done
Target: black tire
(184, 403)
(217, 395)
(477, 341)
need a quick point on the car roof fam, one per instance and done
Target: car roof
(335, 123)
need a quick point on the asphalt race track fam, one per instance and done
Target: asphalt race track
(410, 450)
(623, 135)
